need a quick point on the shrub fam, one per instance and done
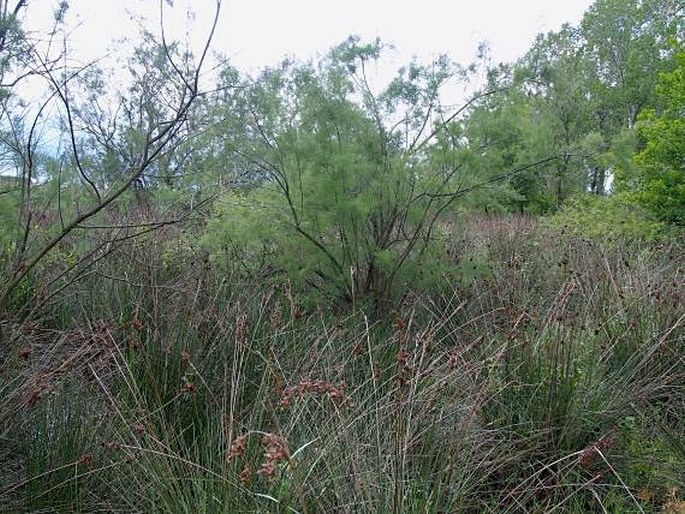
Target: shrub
(615, 216)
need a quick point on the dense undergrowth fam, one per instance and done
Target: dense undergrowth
(548, 380)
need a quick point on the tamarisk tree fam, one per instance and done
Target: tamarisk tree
(351, 182)
(105, 150)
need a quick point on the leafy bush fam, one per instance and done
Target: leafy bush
(663, 158)
(615, 216)
(348, 203)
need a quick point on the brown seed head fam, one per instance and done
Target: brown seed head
(245, 475)
(238, 447)
(268, 470)
(86, 459)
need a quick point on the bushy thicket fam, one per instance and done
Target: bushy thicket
(289, 293)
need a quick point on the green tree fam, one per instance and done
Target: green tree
(541, 111)
(350, 186)
(626, 42)
(626, 47)
(662, 160)
(504, 131)
(157, 107)
(558, 82)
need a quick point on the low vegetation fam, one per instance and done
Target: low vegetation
(552, 381)
(313, 290)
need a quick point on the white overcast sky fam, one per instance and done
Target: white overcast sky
(254, 33)
(258, 33)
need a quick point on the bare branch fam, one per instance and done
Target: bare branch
(452, 117)
(153, 147)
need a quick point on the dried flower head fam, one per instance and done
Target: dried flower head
(275, 447)
(34, 396)
(275, 451)
(245, 475)
(315, 387)
(268, 470)
(590, 453)
(405, 369)
(238, 447)
(188, 387)
(86, 459)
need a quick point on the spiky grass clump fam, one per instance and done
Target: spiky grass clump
(552, 383)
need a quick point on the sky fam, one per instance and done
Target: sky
(423, 28)
(255, 33)
(258, 33)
